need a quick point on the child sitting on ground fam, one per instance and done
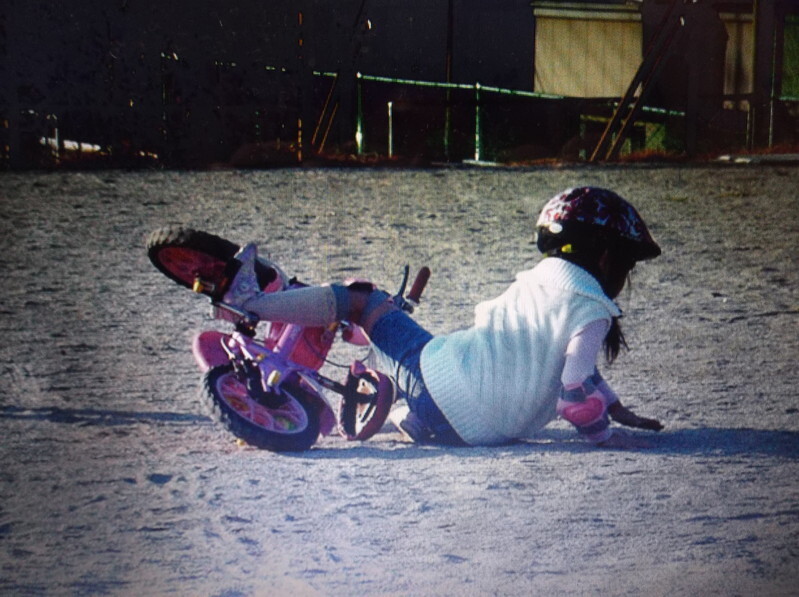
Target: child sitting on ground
(531, 353)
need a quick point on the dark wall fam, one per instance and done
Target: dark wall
(152, 74)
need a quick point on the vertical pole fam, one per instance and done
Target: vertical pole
(448, 94)
(300, 84)
(763, 92)
(390, 130)
(9, 85)
(477, 140)
(778, 65)
(359, 115)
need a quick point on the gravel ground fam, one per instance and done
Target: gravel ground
(114, 482)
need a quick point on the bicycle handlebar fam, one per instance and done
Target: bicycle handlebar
(419, 284)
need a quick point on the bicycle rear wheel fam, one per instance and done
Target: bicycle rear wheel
(198, 260)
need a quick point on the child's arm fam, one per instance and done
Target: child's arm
(586, 407)
(587, 399)
(585, 396)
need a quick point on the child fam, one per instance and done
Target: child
(531, 353)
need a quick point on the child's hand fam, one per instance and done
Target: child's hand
(625, 416)
(650, 424)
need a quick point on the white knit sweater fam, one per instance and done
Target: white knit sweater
(500, 379)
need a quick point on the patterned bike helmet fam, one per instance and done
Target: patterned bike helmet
(571, 218)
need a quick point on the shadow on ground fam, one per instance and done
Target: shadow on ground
(705, 441)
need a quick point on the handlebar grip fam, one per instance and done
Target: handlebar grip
(418, 284)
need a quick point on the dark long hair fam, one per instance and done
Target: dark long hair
(586, 253)
(614, 341)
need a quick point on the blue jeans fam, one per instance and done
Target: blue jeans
(398, 341)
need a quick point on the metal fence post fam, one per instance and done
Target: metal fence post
(477, 131)
(390, 129)
(359, 115)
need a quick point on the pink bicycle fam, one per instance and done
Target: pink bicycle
(269, 392)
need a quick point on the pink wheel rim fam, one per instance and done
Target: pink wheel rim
(188, 264)
(289, 418)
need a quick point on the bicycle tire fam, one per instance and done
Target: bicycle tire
(187, 256)
(365, 404)
(293, 427)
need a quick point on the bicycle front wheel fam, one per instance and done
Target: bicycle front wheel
(293, 426)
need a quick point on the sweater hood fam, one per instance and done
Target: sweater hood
(564, 275)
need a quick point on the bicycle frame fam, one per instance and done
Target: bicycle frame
(289, 351)
(212, 348)
(268, 391)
